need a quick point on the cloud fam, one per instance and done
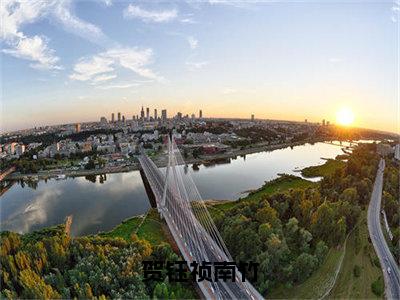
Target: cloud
(187, 21)
(118, 86)
(14, 15)
(108, 2)
(133, 11)
(193, 43)
(71, 23)
(395, 11)
(104, 77)
(35, 49)
(100, 67)
(17, 13)
(196, 65)
(89, 68)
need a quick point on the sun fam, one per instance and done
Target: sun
(345, 116)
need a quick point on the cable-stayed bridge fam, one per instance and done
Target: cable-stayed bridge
(190, 223)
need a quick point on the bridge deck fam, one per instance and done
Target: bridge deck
(194, 242)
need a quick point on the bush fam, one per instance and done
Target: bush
(376, 262)
(378, 286)
(357, 271)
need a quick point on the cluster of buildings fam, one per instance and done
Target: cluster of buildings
(12, 149)
(146, 116)
(126, 135)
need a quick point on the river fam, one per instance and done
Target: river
(101, 205)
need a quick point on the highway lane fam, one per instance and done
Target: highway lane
(181, 224)
(389, 266)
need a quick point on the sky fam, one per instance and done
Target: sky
(74, 61)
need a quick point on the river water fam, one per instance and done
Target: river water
(103, 204)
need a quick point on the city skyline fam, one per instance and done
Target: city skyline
(66, 62)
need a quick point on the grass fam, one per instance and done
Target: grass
(149, 229)
(316, 285)
(125, 229)
(328, 168)
(359, 255)
(281, 184)
(360, 252)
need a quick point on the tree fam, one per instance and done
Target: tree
(304, 265)
(321, 249)
(339, 232)
(322, 222)
(90, 165)
(349, 195)
(267, 214)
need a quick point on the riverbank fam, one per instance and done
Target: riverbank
(160, 161)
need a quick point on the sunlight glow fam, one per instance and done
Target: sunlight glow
(345, 116)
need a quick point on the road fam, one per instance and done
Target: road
(194, 242)
(389, 266)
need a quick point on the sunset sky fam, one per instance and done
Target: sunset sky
(75, 61)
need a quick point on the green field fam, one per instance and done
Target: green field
(328, 168)
(149, 229)
(281, 184)
(125, 229)
(359, 252)
(317, 284)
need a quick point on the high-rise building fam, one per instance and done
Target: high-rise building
(164, 114)
(103, 120)
(119, 117)
(19, 149)
(179, 115)
(112, 118)
(142, 113)
(155, 114)
(123, 119)
(147, 113)
(252, 118)
(305, 120)
(323, 122)
(193, 116)
(77, 127)
(200, 114)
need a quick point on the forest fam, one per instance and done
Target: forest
(49, 264)
(289, 233)
(391, 204)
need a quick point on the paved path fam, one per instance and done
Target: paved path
(389, 266)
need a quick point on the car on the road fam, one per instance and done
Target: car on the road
(388, 270)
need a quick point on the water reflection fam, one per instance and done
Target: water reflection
(98, 203)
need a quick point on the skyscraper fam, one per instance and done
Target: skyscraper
(112, 118)
(142, 113)
(77, 127)
(200, 114)
(252, 118)
(147, 113)
(164, 114)
(119, 117)
(123, 119)
(155, 114)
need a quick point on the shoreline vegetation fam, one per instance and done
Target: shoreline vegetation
(350, 271)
